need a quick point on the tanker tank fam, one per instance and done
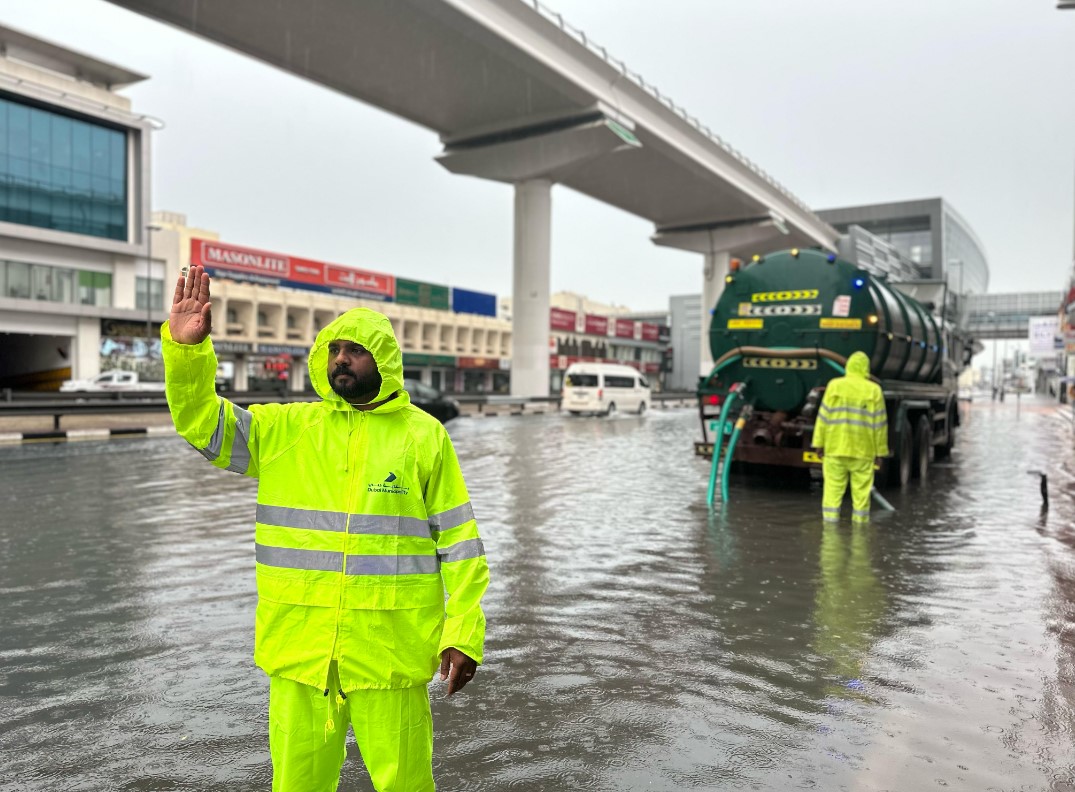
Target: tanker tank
(784, 327)
(783, 320)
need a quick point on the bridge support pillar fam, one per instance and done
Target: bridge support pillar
(530, 289)
(242, 381)
(713, 274)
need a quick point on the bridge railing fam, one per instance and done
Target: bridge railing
(591, 45)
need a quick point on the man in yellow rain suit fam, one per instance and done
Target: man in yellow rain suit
(851, 434)
(363, 526)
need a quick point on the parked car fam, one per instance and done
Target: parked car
(108, 381)
(432, 401)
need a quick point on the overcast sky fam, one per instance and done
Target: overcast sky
(843, 101)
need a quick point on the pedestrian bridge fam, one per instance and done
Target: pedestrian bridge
(519, 96)
(1007, 315)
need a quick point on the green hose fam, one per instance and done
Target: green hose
(726, 473)
(733, 394)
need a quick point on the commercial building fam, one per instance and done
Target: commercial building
(929, 232)
(268, 308)
(74, 206)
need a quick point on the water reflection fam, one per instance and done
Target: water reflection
(637, 639)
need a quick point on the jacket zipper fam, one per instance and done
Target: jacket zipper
(352, 415)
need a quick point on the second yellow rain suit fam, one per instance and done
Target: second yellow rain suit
(368, 558)
(852, 430)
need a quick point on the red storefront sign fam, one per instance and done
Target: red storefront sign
(559, 319)
(259, 266)
(596, 325)
(477, 363)
(651, 368)
(625, 328)
(650, 332)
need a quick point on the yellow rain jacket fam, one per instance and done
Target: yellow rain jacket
(363, 520)
(852, 421)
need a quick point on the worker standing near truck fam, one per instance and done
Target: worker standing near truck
(851, 435)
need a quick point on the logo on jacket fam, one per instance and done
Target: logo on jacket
(390, 486)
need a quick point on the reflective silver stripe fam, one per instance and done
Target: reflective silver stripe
(850, 422)
(312, 519)
(393, 565)
(452, 518)
(240, 445)
(331, 561)
(861, 512)
(317, 520)
(835, 509)
(290, 558)
(460, 551)
(856, 410)
(216, 442)
(387, 525)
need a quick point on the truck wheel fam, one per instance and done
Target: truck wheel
(642, 407)
(923, 448)
(944, 450)
(899, 472)
(611, 408)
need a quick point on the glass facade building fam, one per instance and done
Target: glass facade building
(930, 233)
(61, 172)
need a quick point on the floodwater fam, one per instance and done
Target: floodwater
(636, 641)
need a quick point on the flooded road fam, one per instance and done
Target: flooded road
(636, 641)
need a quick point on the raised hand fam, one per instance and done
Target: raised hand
(191, 318)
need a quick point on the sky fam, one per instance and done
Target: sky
(844, 102)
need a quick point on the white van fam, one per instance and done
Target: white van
(604, 388)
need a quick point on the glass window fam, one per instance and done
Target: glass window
(61, 172)
(18, 280)
(581, 380)
(95, 288)
(156, 292)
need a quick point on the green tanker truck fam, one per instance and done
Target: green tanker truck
(785, 325)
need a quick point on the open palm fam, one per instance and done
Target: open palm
(191, 318)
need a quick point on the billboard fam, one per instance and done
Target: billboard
(424, 295)
(559, 319)
(1042, 333)
(466, 301)
(276, 269)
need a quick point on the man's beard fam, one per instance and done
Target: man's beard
(356, 387)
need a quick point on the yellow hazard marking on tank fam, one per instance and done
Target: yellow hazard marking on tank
(810, 456)
(746, 324)
(841, 324)
(779, 363)
(784, 296)
(744, 309)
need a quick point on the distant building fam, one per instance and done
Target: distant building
(929, 232)
(268, 308)
(74, 206)
(687, 336)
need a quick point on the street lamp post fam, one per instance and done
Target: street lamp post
(993, 316)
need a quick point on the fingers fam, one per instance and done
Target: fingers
(445, 662)
(179, 284)
(203, 287)
(454, 682)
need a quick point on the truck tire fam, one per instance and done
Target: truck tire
(944, 450)
(923, 448)
(899, 470)
(611, 408)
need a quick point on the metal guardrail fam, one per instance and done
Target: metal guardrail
(57, 405)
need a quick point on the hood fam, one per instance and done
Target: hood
(858, 365)
(373, 331)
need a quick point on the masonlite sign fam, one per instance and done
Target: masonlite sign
(275, 269)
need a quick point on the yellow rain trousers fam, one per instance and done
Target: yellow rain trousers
(393, 729)
(368, 558)
(852, 430)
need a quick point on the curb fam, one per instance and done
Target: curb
(77, 435)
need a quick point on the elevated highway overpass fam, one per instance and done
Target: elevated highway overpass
(518, 96)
